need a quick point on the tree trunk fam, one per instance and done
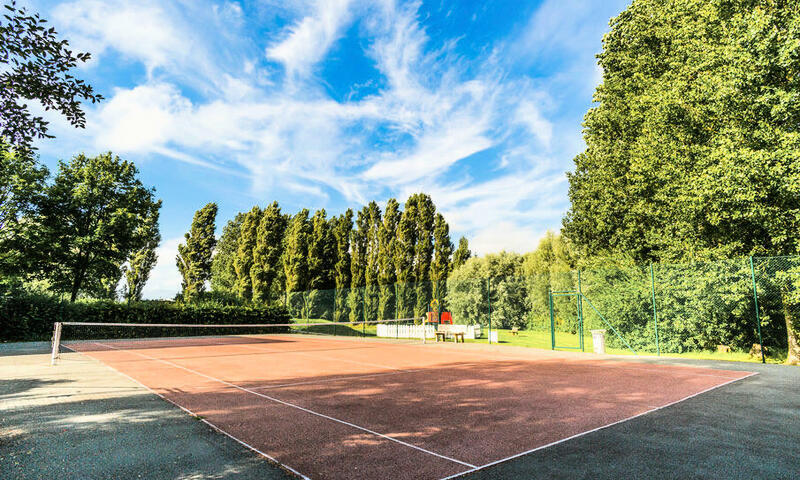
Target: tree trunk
(793, 354)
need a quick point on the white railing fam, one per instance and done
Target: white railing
(415, 331)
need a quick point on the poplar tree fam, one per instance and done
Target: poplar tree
(404, 258)
(142, 261)
(267, 253)
(223, 273)
(423, 252)
(462, 253)
(194, 258)
(321, 266)
(387, 274)
(371, 272)
(243, 262)
(342, 227)
(295, 260)
(358, 264)
(442, 253)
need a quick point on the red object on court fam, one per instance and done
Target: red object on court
(447, 318)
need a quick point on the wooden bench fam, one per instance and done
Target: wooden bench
(441, 334)
(457, 335)
(514, 331)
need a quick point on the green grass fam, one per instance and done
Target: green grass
(541, 339)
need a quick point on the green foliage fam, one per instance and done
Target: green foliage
(423, 252)
(31, 317)
(194, 258)
(89, 222)
(22, 182)
(342, 227)
(544, 269)
(404, 259)
(36, 65)
(296, 261)
(462, 253)
(243, 262)
(387, 245)
(267, 254)
(358, 265)
(321, 267)
(223, 272)
(372, 270)
(142, 261)
(693, 148)
(442, 250)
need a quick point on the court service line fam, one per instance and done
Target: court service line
(542, 447)
(214, 427)
(288, 404)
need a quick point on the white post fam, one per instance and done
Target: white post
(56, 342)
(424, 333)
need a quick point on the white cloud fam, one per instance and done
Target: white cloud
(165, 279)
(308, 40)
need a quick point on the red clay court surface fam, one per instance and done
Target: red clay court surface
(346, 408)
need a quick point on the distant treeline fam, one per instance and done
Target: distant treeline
(337, 267)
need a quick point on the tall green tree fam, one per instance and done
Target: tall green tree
(404, 259)
(321, 266)
(359, 240)
(295, 261)
(89, 220)
(372, 270)
(462, 253)
(267, 254)
(423, 252)
(692, 150)
(36, 64)
(387, 273)
(143, 259)
(342, 227)
(442, 254)
(22, 183)
(194, 257)
(223, 272)
(243, 263)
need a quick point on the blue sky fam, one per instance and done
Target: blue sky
(333, 103)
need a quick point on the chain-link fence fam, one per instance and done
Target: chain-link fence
(739, 306)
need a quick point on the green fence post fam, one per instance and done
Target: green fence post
(580, 311)
(758, 315)
(552, 321)
(489, 302)
(364, 308)
(655, 313)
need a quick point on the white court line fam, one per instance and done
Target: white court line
(502, 460)
(328, 417)
(218, 429)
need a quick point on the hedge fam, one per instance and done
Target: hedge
(31, 317)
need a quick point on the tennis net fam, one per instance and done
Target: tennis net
(86, 336)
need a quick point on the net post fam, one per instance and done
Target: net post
(655, 312)
(758, 315)
(56, 342)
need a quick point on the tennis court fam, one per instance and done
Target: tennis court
(357, 407)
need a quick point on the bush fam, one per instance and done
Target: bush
(31, 317)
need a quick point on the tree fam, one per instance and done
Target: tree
(194, 258)
(321, 266)
(89, 221)
(295, 260)
(37, 65)
(404, 259)
(267, 253)
(387, 274)
(442, 252)
(372, 270)
(423, 252)
(692, 149)
(223, 272)
(548, 268)
(342, 227)
(142, 260)
(462, 253)
(358, 265)
(243, 262)
(22, 183)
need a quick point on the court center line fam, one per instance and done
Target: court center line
(213, 426)
(328, 417)
(542, 447)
